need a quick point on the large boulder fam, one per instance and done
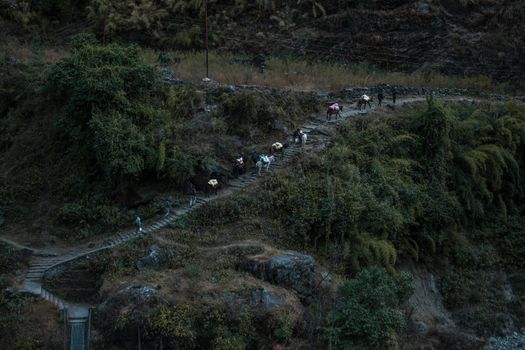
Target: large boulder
(266, 298)
(289, 269)
(153, 260)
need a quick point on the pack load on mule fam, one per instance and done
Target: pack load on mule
(213, 185)
(239, 165)
(264, 161)
(363, 101)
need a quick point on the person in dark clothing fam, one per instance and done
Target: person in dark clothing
(297, 135)
(394, 95)
(193, 195)
(380, 97)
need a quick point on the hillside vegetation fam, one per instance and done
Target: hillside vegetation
(87, 133)
(438, 186)
(104, 116)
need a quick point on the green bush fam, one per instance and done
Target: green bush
(369, 313)
(183, 102)
(108, 94)
(190, 326)
(180, 166)
(247, 109)
(391, 188)
(284, 328)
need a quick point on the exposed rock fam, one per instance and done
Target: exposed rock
(514, 341)
(169, 77)
(128, 303)
(290, 269)
(263, 296)
(153, 260)
(135, 295)
(229, 88)
(416, 326)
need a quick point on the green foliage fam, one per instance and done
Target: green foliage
(369, 314)
(89, 214)
(247, 109)
(180, 166)
(284, 329)
(123, 16)
(161, 159)
(389, 188)
(11, 313)
(109, 112)
(189, 326)
(183, 102)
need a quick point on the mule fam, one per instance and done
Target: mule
(213, 186)
(264, 161)
(363, 101)
(334, 109)
(277, 148)
(239, 166)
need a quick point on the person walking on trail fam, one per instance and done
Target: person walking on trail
(138, 224)
(394, 95)
(380, 97)
(193, 195)
(167, 206)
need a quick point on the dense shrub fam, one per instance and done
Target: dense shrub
(394, 187)
(369, 315)
(108, 94)
(189, 326)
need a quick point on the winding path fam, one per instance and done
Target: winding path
(43, 261)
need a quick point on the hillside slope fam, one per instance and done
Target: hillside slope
(470, 37)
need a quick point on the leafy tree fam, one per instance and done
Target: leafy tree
(369, 316)
(108, 94)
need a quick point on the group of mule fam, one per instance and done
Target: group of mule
(335, 108)
(264, 161)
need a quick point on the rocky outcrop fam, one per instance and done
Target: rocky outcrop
(265, 298)
(153, 260)
(290, 269)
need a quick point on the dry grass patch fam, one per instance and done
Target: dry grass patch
(307, 76)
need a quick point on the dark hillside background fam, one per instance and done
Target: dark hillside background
(466, 37)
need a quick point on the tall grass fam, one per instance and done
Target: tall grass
(298, 74)
(294, 74)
